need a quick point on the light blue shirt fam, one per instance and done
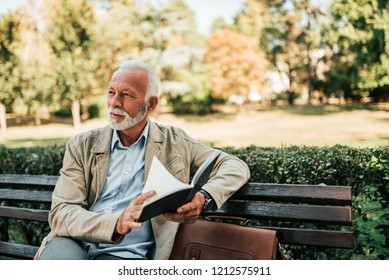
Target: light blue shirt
(124, 182)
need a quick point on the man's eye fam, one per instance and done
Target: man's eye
(127, 95)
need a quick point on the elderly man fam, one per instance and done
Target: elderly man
(98, 197)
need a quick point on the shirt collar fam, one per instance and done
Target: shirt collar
(116, 143)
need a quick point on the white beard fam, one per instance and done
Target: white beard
(128, 121)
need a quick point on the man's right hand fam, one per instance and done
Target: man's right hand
(128, 219)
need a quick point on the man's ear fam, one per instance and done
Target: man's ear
(153, 102)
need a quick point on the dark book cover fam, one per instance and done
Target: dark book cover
(172, 193)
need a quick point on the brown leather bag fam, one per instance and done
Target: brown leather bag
(209, 240)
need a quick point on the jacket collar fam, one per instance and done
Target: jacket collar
(103, 143)
(155, 137)
(155, 133)
(153, 146)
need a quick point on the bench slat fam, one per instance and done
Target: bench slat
(315, 194)
(337, 215)
(321, 205)
(42, 181)
(3, 258)
(26, 195)
(24, 213)
(315, 237)
(18, 250)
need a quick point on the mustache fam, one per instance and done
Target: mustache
(117, 111)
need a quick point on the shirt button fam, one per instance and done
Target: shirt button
(126, 173)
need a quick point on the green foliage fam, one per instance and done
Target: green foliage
(9, 62)
(191, 104)
(93, 111)
(28, 232)
(69, 36)
(358, 38)
(37, 160)
(286, 39)
(164, 36)
(64, 112)
(365, 169)
(194, 99)
(60, 51)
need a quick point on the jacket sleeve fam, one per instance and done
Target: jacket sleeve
(69, 215)
(228, 175)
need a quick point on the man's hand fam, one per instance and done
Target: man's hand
(188, 213)
(128, 219)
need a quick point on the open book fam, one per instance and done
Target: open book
(172, 193)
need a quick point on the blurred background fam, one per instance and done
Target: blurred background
(297, 89)
(266, 73)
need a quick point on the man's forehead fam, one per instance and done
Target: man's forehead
(132, 72)
(127, 77)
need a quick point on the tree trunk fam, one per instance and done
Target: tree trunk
(309, 47)
(37, 119)
(3, 121)
(76, 114)
(291, 97)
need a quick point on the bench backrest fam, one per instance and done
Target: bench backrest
(318, 206)
(287, 207)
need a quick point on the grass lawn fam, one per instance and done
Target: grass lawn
(357, 126)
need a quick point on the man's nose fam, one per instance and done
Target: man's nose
(115, 100)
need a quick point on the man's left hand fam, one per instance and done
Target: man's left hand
(187, 213)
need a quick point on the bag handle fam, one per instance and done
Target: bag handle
(245, 221)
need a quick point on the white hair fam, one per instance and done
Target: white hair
(152, 77)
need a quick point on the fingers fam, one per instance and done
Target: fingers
(186, 217)
(138, 201)
(128, 219)
(189, 212)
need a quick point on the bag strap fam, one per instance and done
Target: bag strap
(245, 221)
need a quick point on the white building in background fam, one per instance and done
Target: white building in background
(276, 83)
(254, 96)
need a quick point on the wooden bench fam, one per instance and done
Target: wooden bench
(325, 210)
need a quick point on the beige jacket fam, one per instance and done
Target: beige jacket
(85, 168)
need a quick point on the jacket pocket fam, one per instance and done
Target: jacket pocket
(175, 165)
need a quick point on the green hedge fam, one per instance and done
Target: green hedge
(37, 160)
(365, 169)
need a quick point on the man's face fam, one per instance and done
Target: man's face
(126, 98)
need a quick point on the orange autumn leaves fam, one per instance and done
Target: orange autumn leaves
(236, 66)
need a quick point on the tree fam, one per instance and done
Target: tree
(37, 78)
(9, 63)
(284, 42)
(360, 49)
(181, 59)
(235, 64)
(219, 23)
(117, 32)
(164, 36)
(286, 31)
(69, 35)
(251, 20)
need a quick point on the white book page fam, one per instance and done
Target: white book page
(161, 181)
